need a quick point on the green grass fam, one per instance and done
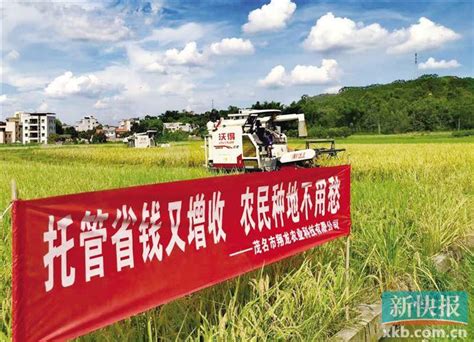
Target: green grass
(409, 202)
(408, 138)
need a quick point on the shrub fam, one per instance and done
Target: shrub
(99, 138)
(465, 133)
(174, 136)
(336, 132)
(52, 138)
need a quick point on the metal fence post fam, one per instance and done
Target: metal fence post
(347, 275)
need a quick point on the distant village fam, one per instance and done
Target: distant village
(144, 131)
(45, 128)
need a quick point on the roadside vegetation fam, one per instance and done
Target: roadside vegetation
(412, 197)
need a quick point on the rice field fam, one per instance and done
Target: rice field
(409, 202)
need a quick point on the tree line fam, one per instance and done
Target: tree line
(428, 103)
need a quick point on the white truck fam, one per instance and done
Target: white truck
(252, 140)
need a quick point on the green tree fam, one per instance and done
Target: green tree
(99, 138)
(59, 126)
(72, 132)
(427, 103)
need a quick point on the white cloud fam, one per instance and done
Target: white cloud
(144, 60)
(333, 89)
(67, 84)
(155, 6)
(422, 36)
(59, 20)
(332, 32)
(43, 107)
(182, 34)
(4, 98)
(176, 86)
(188, 56)
(276, 78)
(167, 62)
(130, 82)
(327, 73)
(21, 81)
(232, 46)
(106, 102)
(26, 83)
(83, 26)
(270, 17)
(432, 63)
(12, 55)
(101, 104)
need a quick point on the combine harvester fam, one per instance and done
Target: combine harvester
(252, 140)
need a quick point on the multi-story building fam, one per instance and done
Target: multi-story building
(109, 132)
(3, 125)
(87, 123)
(14, 129)
(126, 124)
(10, 130)
(37, 127)
(178, 126)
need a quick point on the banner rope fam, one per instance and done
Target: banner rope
(5, 211)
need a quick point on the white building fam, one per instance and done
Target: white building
(2, 132)
(37, 127)
(10, 131)
(109, 132)
(125, 125)
(87, 123)
(178, 126)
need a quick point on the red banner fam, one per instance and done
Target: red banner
(83, 261)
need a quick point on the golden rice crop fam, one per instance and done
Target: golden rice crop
(409, 202)
(178, 154)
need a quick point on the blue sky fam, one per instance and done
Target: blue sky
(118, 59)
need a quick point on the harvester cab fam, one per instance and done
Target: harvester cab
(253, 140)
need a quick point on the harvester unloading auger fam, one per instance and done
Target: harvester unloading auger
(252, 140)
